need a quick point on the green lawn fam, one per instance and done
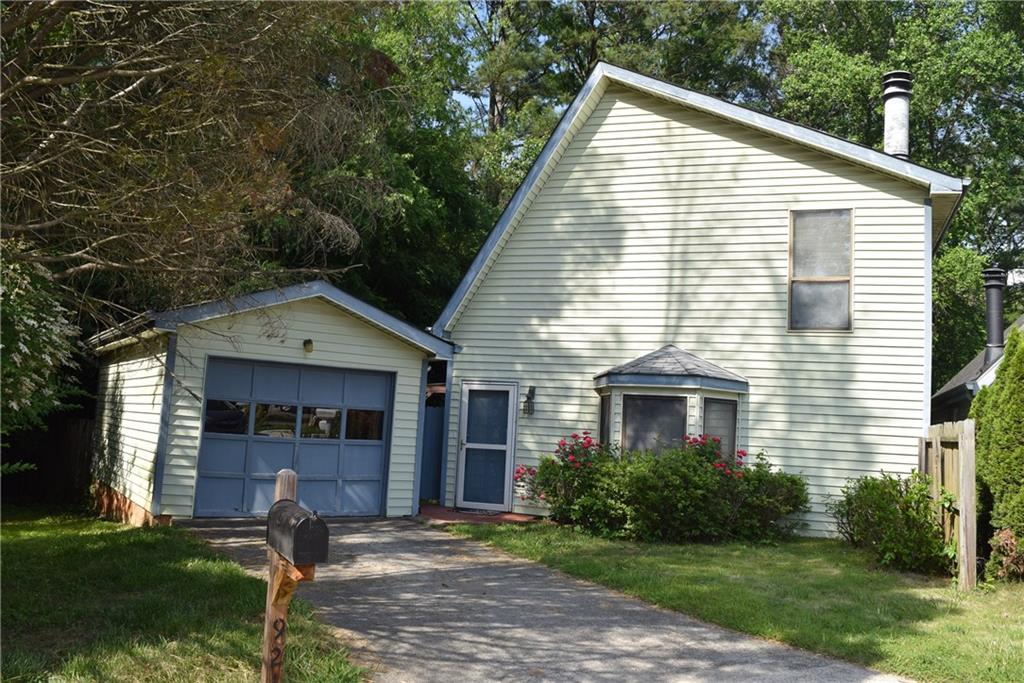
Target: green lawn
(813, 593)
(89, 600)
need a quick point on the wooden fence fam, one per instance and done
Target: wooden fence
(947, 454)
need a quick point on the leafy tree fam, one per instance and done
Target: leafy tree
(958, 311)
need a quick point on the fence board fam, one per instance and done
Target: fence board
(947, 455)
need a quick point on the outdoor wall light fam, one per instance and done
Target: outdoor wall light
(531, 393)
(307, 345)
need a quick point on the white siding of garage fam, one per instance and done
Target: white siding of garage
(129, 401)
(276, 333)
(658, 224)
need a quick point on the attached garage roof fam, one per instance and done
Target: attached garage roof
(168, 321)
(672, 366)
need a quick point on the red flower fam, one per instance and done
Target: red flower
(585, 433)
(572, 458)
(575, 435)
(728, 471)
(561, 443)
(716, 439)
(587, 441)
(741, 453)
(739, 475)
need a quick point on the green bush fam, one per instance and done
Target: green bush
(690, 493)
(998, 410)
(894, 518)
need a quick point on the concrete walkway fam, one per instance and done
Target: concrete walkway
(417, 604)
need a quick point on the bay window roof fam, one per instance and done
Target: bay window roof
(671, 366)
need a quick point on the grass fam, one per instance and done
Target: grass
(89, 600)
(816, 594)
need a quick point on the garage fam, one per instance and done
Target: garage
(201, 406)
(328, 425)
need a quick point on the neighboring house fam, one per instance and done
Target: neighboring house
(675, 264)
(953, 401)
(201, 406)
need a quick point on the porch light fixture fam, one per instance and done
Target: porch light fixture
(528, 401)
(307, 345)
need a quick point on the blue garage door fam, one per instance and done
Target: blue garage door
(328, 425)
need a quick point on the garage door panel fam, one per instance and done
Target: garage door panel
(318, 495)
(224, 456)
(268, 457)
(329, 425)
(318, 459)
(360, 497)
(228, 379)
(261, 495)
(363, 461)
(276, 383)
(366, 390)
(322, 386)
(220, 495)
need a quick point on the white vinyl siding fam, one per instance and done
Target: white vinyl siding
(129, 402)
(276, 334)
(662, 225)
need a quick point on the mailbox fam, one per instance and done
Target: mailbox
(299, 535)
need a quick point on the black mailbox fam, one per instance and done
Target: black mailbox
(295, 532)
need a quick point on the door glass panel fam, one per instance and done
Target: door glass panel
(484, 476)
(275, 419)
(487, 421)
(652, 422)
(367, 425)
(227, 417)
(321, 423)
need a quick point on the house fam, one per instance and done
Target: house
(676, 264)
(200, 407)
(953, 401)
(672, 264)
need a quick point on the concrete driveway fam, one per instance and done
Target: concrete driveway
(417, 604)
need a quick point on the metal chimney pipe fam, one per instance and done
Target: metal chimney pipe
(995, 281)
(896, 86)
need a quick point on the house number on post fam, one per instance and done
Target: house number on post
(296, 542)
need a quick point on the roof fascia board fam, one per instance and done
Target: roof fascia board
(681, 381)
(936, 182)
(170, 320)
(590, 88)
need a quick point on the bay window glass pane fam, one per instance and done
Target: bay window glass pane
(821, 243)
(321, 423)
(366, 425)
(720, 421)
(819, 306)
(652, 422)
(274, 419)
(227, 417)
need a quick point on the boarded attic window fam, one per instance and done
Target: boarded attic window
(819, 270)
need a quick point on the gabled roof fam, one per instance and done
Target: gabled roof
(672, 366)
(168, 321)
(944, 190)
(975, 368)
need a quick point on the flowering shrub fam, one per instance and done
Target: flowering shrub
(692, 492)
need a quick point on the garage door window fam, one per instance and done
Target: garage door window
(274, 419)
(227, 417)
(366, 425)
(321, 423)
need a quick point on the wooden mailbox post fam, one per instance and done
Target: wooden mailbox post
(296, 541)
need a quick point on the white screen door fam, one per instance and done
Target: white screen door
(486, 445)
